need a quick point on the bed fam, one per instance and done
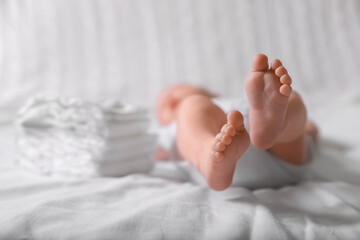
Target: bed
(322, 49)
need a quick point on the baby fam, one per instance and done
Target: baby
(213, 141)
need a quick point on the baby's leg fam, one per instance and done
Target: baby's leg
(277, 114)
(210, 140)
(170, 97)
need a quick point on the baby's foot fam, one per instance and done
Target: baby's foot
(223, 152)
(268, 91)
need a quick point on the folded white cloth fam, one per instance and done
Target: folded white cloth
(70, 136)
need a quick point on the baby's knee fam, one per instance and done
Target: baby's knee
(196, 101)
(165, 108)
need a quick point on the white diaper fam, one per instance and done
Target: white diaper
(256, 168)
(73, 137)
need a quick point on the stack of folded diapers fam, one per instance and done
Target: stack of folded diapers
(74, 137)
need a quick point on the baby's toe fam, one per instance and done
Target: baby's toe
(285, 90)
(275, 64)
(219, 146)
(259, 63)
(219, 155)
(280, 71)
(226, 139)
(227, 128)
(285, 79)
(235, 118)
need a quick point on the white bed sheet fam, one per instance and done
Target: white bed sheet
(165, 206)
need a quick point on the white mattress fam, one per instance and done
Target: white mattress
(166, 206)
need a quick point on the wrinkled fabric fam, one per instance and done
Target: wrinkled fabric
(166, 204)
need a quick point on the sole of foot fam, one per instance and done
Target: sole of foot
(223, 152)
(268, 91)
